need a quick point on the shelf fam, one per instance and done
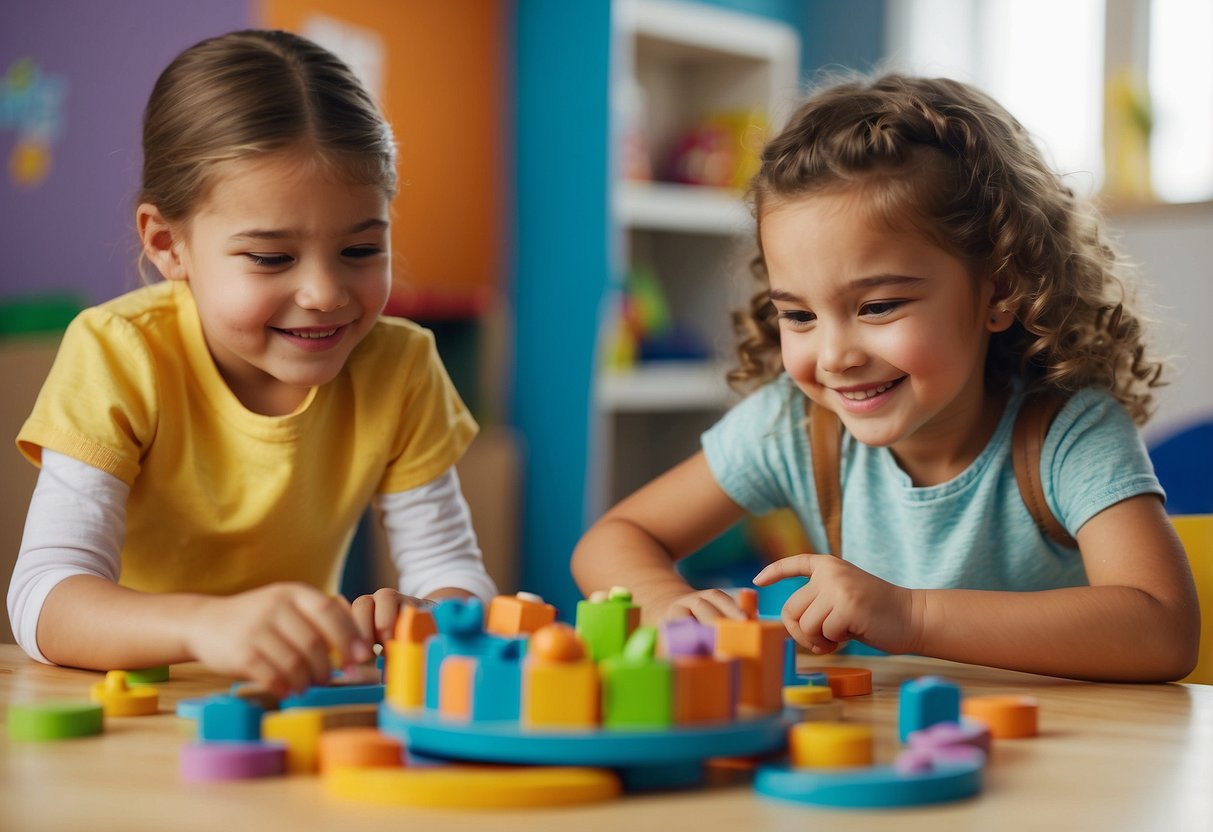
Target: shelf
(665, 386)
(688, 208)
(699, 30)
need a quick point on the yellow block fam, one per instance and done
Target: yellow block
(404, 674)
(300, 729)
(830, 745)
(474, 787)
(119, 700)
(561, 693)
(1196, 534)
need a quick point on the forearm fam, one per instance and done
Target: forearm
(1110, 633)
(93, 623)
(617, 552)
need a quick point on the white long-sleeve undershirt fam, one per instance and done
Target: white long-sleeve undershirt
(77, 520)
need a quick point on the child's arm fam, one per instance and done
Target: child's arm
(1138, 620)
(636, 543)
(67, 607)
(433, 545)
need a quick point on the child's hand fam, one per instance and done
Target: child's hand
(280, 636)
(376, 614)
(841, 602)
(705, 606)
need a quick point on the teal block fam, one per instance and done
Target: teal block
(926, 701)
(229, 718)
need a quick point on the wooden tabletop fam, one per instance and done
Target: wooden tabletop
(1109, 757)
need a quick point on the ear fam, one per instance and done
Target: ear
(999, 313)
(161, 244)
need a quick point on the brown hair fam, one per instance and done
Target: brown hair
(953, 162)
(252, 92)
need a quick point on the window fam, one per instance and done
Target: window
(1056, 63)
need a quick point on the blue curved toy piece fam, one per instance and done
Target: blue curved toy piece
(877, 787)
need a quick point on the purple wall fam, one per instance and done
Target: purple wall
(74, 230)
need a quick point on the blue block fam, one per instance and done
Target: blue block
(461, 632)
(926, 701)
(772, 598)
(497, 683)
(325, 697)
(229, 718)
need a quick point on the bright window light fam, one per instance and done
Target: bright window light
(1181, 96)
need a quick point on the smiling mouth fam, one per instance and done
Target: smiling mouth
(862, 395)
(311, 334)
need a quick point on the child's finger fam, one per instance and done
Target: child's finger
(286, 669)
(302, 637)
(336, 624)
(387, 604)
(363, 611)
(789, 567)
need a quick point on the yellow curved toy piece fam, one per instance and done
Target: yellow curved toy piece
(120, 700)
(474, 787)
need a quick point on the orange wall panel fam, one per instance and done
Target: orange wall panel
(445, 96)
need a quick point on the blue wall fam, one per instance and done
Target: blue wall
(563, 242)
(560, 271)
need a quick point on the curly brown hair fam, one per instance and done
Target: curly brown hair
(951, 161)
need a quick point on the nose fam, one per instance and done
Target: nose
(839, 349)
(322, 289)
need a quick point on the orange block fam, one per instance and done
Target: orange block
(455, 686)
(848, 681)
(414, 625)
(703, 690)
(564, 694)
(359, 748)
(1007, 717)
(515, 615)
(758, 648)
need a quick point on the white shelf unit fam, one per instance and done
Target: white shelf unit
(676, 63)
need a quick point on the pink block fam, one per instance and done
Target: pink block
(203, 762)
(952, 734)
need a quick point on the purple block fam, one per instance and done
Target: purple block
(203, 762)
(687, 637)
(945, 735)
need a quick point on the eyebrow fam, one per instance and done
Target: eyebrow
(280, 234)
(861, 284)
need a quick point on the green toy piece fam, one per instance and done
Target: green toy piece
(147, 676)
(54, 720)
(637, 688)
(606, 623)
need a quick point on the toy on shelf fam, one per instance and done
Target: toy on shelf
(721, 151)
(644, 329)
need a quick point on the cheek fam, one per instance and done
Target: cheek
(797, 353)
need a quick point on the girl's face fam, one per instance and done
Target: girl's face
(883, 327)
(289, 267)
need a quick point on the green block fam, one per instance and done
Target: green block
(147, 676)
(54, 720)
(637, 694)
(605, 626)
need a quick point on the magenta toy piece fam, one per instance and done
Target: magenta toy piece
(203, 762)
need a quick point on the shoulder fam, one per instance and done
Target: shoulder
(149, 313)
(393, 341)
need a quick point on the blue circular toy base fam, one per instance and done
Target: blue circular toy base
(871, 788)
(507, 741)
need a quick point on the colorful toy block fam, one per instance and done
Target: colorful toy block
(758, 647)
(560, 686)
(518, 615)
(328, 696)
(830, 745)
(705, 689)
(1008, 717)
(924, 702)
(686, 637)
(204, 762)
(54, 720)
(299, 729)
(119, 700)
(497, 681)
(472, 787)
(637, 687)
(849, 681)
(147, 676)
(815, 703)
(404, 666)
(945, 735)
(359, 748)
(455, 686)
(606, 624)
(461, 632)
(229, 718)
(876, 787)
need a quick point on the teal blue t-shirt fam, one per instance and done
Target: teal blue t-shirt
(973, 532)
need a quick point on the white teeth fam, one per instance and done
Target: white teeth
(860, 395)
(312, 335)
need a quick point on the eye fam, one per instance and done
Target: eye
(880, 308)
(797, 317)
(356, 252)
(267, 260)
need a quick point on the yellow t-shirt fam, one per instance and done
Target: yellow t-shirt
(223, 499)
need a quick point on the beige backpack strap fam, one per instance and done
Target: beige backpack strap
(1027, 439)
(825, 439)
